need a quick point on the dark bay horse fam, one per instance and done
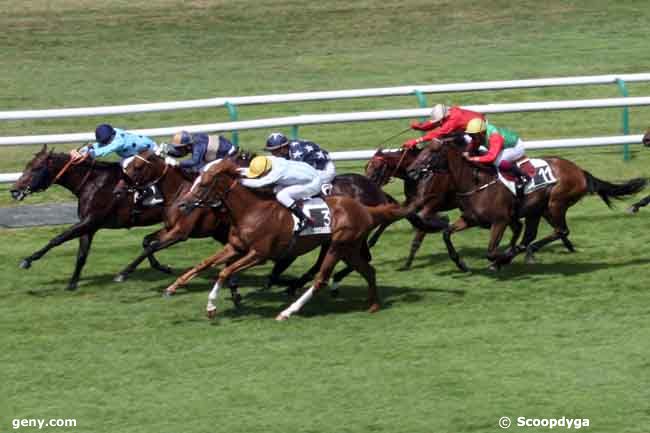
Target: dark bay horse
(93, 183)
(485, 202)
(435, 197)
(262, 229)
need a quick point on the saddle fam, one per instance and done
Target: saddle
(316, 209)
(540, 172)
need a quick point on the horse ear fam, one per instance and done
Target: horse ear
(43, 149)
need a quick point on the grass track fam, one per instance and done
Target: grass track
(450, 352)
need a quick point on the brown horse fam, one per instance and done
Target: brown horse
(485, 202)
(252, 242)
(646, 200)
(213, 221)
(387, 164)
(93, 183)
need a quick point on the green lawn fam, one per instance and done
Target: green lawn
(449, 352)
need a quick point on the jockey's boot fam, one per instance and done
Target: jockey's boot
(520, 184)
(304, 220)
(152, 196)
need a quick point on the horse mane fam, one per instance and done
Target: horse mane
(62, 158)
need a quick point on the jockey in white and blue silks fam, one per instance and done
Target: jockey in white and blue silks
(293, 180)
(124, 144)
(204, 148)
(305, 151)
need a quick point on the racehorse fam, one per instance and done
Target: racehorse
(387, 164)
(486, 202)
(93, 183)
(262, 229)
(146, 169)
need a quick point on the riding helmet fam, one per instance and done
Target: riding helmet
(182, 138)
(104, 133)
(276, 140)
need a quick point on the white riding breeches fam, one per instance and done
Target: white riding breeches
(328, 173)
(511, 154)
(289, 194)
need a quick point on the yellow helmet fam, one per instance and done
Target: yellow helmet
(259, 166)
(475, 126)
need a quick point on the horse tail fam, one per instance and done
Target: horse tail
(387, 213)
(607, 190)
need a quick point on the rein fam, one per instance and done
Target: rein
(401, 159)
(67, 165)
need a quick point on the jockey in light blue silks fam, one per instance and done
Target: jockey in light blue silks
(126, 145)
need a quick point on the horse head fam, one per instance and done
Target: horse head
(432, 159)
(144, 169)
(37, 175)
(211, 187)
(646, 139)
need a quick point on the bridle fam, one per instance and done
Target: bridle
(201, 201)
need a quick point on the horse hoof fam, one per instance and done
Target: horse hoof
(165, 269)
(374, 308)
(119, 278)
(281, 317)
(25, 264)
(71, 287)
(237, 299)
(168, 294)
(494, 267)
(632, 210)
(404, 268)
(212, 313)
(462, 266)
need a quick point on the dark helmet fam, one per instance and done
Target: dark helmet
(276, 140)
(182, 139)
(104, 134)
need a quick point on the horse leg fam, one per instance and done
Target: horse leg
(79, 229)
(82, 254)
(516, 226)
(493, 255)
(459, 225)
(251, 258)
(564, 236)
(329, 262)
(164, 239)
(340, 275)
(361, 264)
(556, 216)
(153, 262)
(227, 253)
(532, 225)
(415, 246)
(377, 233)
(278, 268)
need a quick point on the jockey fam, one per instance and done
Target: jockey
(125, 144)
(293, 181)
(444, 121)
(305, 151)
(205, 148)
(504, 149)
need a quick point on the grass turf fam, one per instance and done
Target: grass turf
(450, 352)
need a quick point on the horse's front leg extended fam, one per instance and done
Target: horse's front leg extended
(81, 228)
(459, 225)
(226, 254)
(252, 258)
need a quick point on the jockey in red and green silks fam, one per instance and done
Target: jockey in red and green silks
(504, 148)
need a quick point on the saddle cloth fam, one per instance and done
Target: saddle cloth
(317, 210)
(540, 172)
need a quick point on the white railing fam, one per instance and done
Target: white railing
(326, 95)
(310, 119)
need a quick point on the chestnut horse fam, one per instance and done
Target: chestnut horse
(262, 229)
(93, 183)
(387, 164)
(485, 202)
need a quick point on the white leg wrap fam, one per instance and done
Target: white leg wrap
(212, 297)
(297, 305)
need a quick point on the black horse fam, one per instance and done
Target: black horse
(98, 208)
